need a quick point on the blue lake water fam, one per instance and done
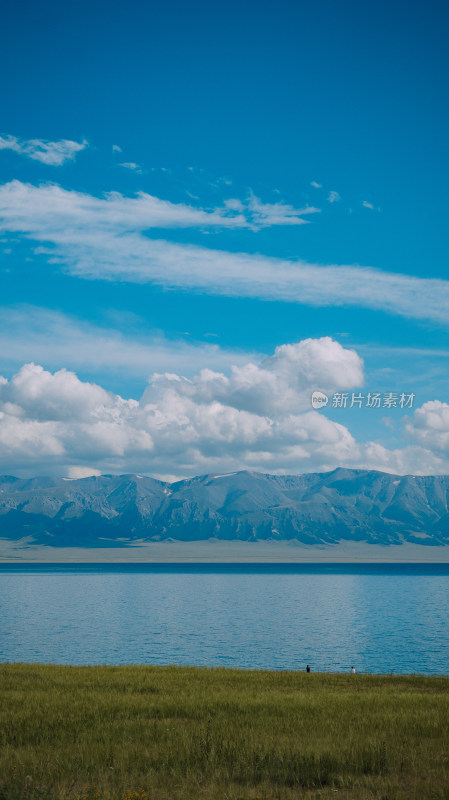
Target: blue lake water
(379, 618)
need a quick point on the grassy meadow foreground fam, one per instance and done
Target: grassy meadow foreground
(163, 733)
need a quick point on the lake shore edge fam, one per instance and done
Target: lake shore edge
(232, 552)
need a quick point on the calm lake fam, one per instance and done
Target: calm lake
(377, 617)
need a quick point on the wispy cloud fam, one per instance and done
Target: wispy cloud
(105, 238)
(49, 206)
(116, 148)
(133, 167)
(316, 185)
(56, 340)
(233, 204)
(366, 204)
(333, 197)
(51, 153)
(266, 214)
(206, 178)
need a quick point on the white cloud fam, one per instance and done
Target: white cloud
(133, 167)
(256, 417)
(75, 473)
(116, 149)
(44, 396)
(429, 427)
(333, 197)
(366, 204)
(42, 211)
(104, 238)
(50, 153)
(281, 384)
(265, 214)
(233, 204)
(55, 422)
(30, 333)
(316, 185)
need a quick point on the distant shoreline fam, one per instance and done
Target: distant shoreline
(232, 552)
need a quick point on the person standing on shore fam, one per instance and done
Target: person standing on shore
(352, 670)
(307, 668)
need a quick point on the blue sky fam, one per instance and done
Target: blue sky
(188, 187)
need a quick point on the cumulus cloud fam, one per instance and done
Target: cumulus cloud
(106, 238)
(56, 421)
(45, 396)
(50, 153)
(257, 416)
(46, 417)
(280, 384)
(429, 427)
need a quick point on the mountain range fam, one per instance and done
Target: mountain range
(313, 509)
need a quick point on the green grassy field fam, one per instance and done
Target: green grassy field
(157, 733)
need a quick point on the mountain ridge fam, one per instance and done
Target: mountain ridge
(311, 508)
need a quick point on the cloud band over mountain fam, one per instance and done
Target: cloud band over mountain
(257, 416)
